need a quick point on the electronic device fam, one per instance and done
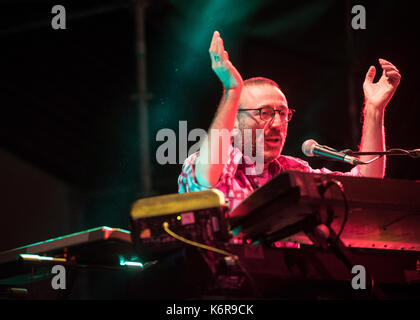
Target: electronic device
(101, 247)
(382, 213)
(156, 222)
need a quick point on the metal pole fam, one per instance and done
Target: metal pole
(142, 96)
(352, 107)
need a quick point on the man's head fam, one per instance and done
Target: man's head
(258, 93)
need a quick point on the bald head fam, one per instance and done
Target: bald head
(252, 93)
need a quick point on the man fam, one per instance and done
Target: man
(259, 104)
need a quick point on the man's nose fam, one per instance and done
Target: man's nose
(276, 121)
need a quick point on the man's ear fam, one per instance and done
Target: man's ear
(236, 137)
(236, 133)
(236, 124)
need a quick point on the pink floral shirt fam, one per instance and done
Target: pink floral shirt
(235, 184)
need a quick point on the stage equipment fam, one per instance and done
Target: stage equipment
(162, 224)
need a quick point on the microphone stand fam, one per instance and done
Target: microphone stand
(391, 152)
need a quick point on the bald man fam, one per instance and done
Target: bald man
(257, 105)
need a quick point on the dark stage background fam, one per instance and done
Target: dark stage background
(70, 145)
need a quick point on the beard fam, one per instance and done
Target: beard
(273, 144)
(267, 146)
(273, 150)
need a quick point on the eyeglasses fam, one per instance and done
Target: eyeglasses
(267, 113)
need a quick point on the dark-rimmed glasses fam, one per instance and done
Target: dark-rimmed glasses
(267, 113)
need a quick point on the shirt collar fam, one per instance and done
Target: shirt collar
(274, 167)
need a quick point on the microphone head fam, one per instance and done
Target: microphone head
(308, 147)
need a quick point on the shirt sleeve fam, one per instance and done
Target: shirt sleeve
(291, 163)
(355, 172)
(187, 181)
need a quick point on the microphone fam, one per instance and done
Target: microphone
(311, 148)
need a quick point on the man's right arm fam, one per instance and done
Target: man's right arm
(208, 170)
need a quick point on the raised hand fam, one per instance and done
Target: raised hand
(378, 94)
(221, 65)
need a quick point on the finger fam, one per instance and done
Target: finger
(392, 74)
(215, 56)
(212, 55)
(370, 75)
(384, 62)
(387, 67)
(214, 41)
(218, 56)
(220, 48)
(225, 56)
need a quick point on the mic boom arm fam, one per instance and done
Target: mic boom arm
(311, 148)
(391, 152)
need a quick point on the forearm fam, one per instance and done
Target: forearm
(373, 139)
(213, 151)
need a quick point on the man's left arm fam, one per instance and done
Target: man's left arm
(377, 96)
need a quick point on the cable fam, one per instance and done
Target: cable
(374, 290)
(193, 243)
(254, 286)
(399, 219)
(371, 160)
(346, 207)
(226, 253)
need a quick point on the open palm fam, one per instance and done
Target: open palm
(378, 94)
(221, 65)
